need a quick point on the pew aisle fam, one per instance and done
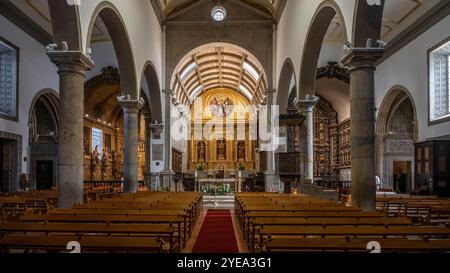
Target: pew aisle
(299, 223)
(141, 222)
(217, 234)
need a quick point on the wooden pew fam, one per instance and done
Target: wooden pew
(175, 221)
(355, 245)
(257, 224)
(51, 243)
(131, 230)
(268, 232)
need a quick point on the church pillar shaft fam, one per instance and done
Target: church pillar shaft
(72, 67)
(307, 108)
(131, 142)
(167, 174)
(361, 63)
(270, 181)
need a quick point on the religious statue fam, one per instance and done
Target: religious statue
(95, 155)
(241, 150)
(221, 149)
(201, 151)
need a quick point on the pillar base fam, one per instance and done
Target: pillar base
(168, 184)
(271, 186)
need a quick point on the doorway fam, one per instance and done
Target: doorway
(44, 174)
(402, 176)
(5, 165)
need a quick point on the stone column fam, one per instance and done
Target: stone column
(168, 172)
(307, 108)
(130, 142)
(269, 174)
(361, 63)
(72, 67)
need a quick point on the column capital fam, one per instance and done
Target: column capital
(130, 105)
(156, 126)
(357, 58)
(71, 61)
(308, 104)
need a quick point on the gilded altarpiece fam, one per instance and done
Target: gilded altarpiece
(221, 132)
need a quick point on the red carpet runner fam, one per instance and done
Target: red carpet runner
(217, 234)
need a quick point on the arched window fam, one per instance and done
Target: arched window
(9, 61)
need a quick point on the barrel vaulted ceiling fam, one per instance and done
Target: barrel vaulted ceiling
(218, 66)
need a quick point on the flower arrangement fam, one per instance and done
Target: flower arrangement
(241, 167)
(200, 167)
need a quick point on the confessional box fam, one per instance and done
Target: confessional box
(432, 166)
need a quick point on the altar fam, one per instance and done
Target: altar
(218, 186)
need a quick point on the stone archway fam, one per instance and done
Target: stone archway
(367, 22)
(65, 24)
(43, 139)
(154, 92)
(313, 45)
(285, 90)
(396, 131)
(122, 46)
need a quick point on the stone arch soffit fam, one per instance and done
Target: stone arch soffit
(318, 28)
(122, 45)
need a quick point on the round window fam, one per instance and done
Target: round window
(219, 13)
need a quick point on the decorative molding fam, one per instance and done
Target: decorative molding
(111, 75)
(25, 23)
(420, 26)
(333, 71)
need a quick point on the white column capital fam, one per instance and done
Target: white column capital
(308, 104)
(129, 104)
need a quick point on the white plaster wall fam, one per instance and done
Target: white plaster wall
(142, 26)
(337, 93)
(36, 72)
(293, 28)
(408, 68)
(331, 53)
(103, 55)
